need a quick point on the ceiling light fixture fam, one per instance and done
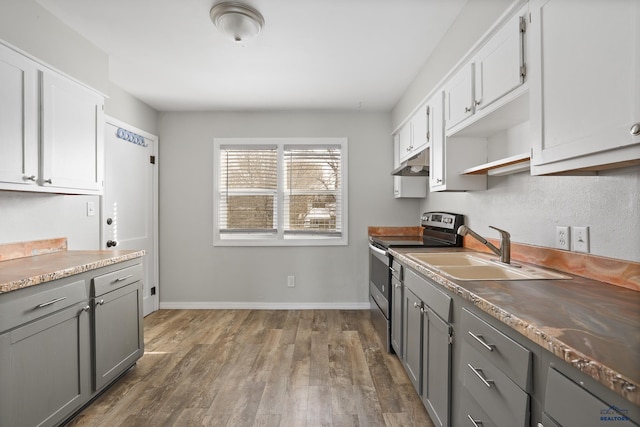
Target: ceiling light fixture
(237, 21)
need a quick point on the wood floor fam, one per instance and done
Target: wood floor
(260, 368)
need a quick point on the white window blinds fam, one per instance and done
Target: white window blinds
(312, 190)
(274, 191)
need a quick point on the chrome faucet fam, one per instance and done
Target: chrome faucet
(505, 243)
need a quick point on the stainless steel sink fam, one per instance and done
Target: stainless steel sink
(480, 266)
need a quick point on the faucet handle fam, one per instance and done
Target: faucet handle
(503, 233)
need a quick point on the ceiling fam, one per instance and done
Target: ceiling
(311, 54)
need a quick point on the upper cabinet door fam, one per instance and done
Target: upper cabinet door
(18, 120)
(498, 65)
(458, 94)
(420, 125)
(585, 95)
(72, 135)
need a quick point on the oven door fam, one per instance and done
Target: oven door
(379, 290)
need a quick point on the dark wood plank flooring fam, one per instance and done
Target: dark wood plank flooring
(260, 368)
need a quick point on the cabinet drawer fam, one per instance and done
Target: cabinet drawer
(432, 297)
(572, 406)
(500, 398)
(25, 305)
(503, 352)
(470, 410)
(115, 280)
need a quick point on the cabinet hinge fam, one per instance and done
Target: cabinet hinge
(451, 338)
(152, 160)
(523, 24)
(523, 70)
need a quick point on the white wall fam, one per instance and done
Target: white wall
(531, 207)
(31, 28)
(192, 270)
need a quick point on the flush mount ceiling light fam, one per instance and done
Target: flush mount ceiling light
(237, 21)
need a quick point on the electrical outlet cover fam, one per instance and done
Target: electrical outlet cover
(563, 239)
(580, 239)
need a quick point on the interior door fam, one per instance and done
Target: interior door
(130, 202)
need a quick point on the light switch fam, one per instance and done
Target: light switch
(91, 209)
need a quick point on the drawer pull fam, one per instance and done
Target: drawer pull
(478, 373)
(53, 301)
(480, 339)
(121, 279)
(475, 423)
(101, 302)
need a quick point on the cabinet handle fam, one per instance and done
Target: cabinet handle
(480, 339)
(416, 305)
(478, 373)
(438, 181)
(476, 423)
(101, 302)
(467, 109)
(48, 181)
(635, 129)
(86, 308)
(121, 279)
(31, 178)
(53, 301)
(476, 102)
(397, 285)
(428, 123)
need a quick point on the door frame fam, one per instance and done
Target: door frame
(154, 299)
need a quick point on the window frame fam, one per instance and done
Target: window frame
(279, 239)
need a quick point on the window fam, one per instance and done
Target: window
(270, 192)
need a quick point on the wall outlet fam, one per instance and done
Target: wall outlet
(580, 239)
(291, 281)
(563, 239)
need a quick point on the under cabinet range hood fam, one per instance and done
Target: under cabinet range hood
(417, 165)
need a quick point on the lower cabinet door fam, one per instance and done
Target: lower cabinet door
(117, 327)
(44, 369)
(412, 337)
(436, 367)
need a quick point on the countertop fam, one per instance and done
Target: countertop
(33, 270)
(593, 326)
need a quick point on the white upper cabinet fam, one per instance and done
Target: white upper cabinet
(490, 84)
(414, 133)
(18, 120)
(450, 156)
(72, 135)
(51, 130)
(458, 96)
(585, 96)
(499, 65)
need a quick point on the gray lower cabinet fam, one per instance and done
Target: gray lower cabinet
(412, 337)
(427, 349)
(117, 323)
(396, 316)
(44, 362)
(54, 339)
(436, 363)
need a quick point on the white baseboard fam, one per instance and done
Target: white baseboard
(213, 305)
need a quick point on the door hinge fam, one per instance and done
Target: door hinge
(523, 70)
(152, 160)
(523, 24)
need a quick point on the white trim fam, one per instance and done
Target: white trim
(226, 305)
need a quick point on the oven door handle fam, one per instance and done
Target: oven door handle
(379, 251)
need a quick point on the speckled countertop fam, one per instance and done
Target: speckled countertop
(33, 270)
(591, 325)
